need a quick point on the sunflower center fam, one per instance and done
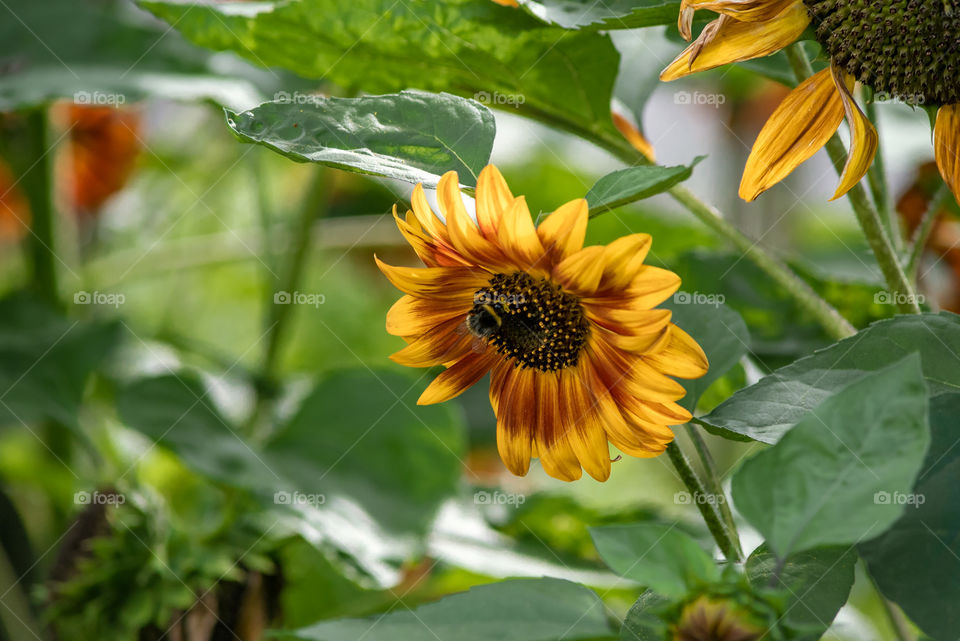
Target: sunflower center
(530, 320)
(907, 50)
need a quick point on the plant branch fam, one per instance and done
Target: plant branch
(713, 480)
(866, 214)
(922, 234)
(725, 538)
(877, 180)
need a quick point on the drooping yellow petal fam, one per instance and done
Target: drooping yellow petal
(946, 146)
(563, 231)
(863, 135)
(801, 125)
(726, 40)
(742, 10)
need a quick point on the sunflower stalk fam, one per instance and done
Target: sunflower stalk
(713, 478)
(922, 234)
(866, 213)
(726, 538)
(876, 179)
(823, 312)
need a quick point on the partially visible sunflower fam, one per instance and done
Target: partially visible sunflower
(578, 355)
(905, 50)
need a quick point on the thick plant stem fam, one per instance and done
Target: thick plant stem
(726, 539)
(873, 228)
(829, 318)
(876, 178)
(713, 479)
(35, 164)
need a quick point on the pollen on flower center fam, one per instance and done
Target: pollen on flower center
(908, 49)
(530, 320)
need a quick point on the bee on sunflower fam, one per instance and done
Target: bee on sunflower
(578, 355)
(907, 49)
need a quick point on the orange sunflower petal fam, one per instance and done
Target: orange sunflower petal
(411, 316)
(581, 272)
(516, 419)
(464, 234)
(800, 126)
(493, 198)
(681, 357)
(434, 282)
(553, 448)
(742, 10)
(563, 231)
(582, 425)
(863, 136)
(726, 40)
(623, 259)
(518, 235)
(441, 344)
(455, 380)
(946, 146)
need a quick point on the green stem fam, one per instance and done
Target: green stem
(725, 538)
(713, 480)
(922, 234)
(278, 315)
(16, 617)
(899, 623)
(877, 180)
(866, 214)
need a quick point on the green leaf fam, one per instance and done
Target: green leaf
(718, 329)
(473, 48)
(413, 136)
(107, 56)
(819, 485)
(46, 360)
(359, 437)
(612, 14)
(817, 583)
(915, 562)
(643, 622)
(629, 185)
(515, 610)
(658, 556)
(769, 408)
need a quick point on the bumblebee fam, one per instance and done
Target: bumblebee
(483, 322)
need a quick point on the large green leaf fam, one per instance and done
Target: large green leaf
(107, 56)
(816, 583)
(658, 556)
(473, 48)
(612, 14)
(515, 610)
(718, 329)
(819, 485)
(635, 183)
(917, 561)
(643, 622)
(413, 135)
(766, 410)
(46, 360)
(358, 438)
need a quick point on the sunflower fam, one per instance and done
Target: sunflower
(576, 352)
(905, 50)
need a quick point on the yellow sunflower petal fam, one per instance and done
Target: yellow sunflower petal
(464, 234)
(516, 420)
(563, 231)
(441, 344)
(431, 251)
(800, 126)
(493, 198)
(946, 146)
(553, 448)
(425, 214)
(863, 136)
(411, 316)
(623, 258)
(743, 10)
(681, 357)
(518, 235)
(726, 40)
(430, 282)
(455, 380)
(629, 321)
(633, 135)
(581, 272)
(582, 424)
